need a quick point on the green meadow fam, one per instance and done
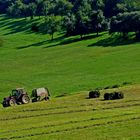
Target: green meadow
(71, 67)
(74, 117)
(65, 65)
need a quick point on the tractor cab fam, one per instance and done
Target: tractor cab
(17, 92)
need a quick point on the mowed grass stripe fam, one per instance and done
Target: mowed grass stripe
(77, 128)
(69, 122)
(57, 119)
(75, 106)
(68, 112)
(71, 102)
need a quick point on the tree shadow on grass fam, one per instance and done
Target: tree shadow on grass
(69, 40)
(45, 42)
(114, 41)
(31, 45)
(16, 25)
(73, 40)
(62, 40)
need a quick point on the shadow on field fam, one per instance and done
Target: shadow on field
(62, 40)
(69, 40)
(73, 40)
(32, 45)
(45, 42)
(16, 25)
(113, 41)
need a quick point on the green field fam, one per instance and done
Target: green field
(71, 66)
(65, 65)
(75, 117)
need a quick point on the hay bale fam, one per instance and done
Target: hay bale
(108, 96)
(94, 94)
(113, 96)
(118, 95)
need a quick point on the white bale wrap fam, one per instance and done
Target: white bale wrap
(41, 91)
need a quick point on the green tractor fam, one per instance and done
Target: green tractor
(18, 96)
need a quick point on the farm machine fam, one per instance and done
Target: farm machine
(18, 96)
(40, 94)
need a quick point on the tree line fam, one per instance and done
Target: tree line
(78, 17)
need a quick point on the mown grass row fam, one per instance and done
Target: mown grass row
(73, 126)
(38, 114)
(76, 128)
(65, 123)
(61, 117)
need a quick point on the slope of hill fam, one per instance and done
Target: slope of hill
(74, 117)
(68, 65)
(64, 65)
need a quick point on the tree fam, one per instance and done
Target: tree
(32, 9)
(125, 23)
(97, 4)
(48, 8)
(39, 8)
(24, 10)
(69, 23)
(82, 15)
(82, 24)
(52, 25)
(132, 5)
(62, 7)
(97, 21)
(15, 9)
(110, 7)
(4, 4)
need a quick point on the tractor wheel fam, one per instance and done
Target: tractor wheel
(25, 99)
(5, 104)
(12, 102)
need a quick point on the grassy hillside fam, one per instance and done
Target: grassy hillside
(65, 65)
(68, 65)
(75, 117)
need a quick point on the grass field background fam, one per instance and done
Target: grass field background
(71, 66)
(75, 117)
(64, 65)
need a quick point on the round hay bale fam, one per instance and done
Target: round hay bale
(118, 95)
(94, 94)
(108, 96)
(113, 96)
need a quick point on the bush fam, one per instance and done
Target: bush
(94, 94)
